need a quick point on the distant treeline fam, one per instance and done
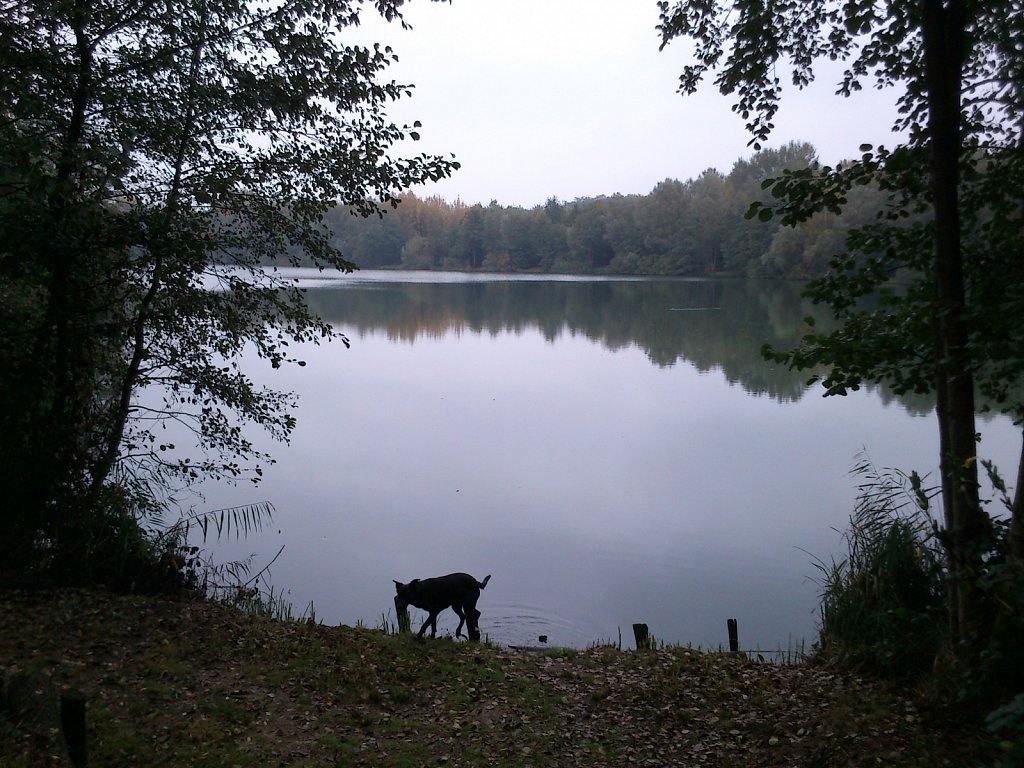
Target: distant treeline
(691, 228)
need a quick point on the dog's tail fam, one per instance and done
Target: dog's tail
(484, 582)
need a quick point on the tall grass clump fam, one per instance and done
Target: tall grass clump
(883, 605)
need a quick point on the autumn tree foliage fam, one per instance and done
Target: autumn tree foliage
(693, 228)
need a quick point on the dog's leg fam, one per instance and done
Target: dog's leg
(462, 619)
(473, 616)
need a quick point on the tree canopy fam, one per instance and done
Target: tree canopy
(152, 157)
(690, 228)
(951, 222)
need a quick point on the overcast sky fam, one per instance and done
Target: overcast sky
(571, 98)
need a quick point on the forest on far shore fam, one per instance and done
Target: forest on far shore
(687, 228)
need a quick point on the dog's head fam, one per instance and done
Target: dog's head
(404, 594)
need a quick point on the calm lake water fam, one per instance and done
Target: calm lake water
(611, 451)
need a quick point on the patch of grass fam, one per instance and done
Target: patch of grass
(883, 606)
(569, 654)
(401, 696)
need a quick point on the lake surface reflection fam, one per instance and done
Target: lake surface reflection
(612, 451)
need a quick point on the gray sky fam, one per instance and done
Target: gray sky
(571, 98)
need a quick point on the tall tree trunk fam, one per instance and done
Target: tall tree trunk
(967, 525)
(57, 454)
(41, 452)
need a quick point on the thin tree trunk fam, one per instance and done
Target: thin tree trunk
(966, 523)
(102, 467)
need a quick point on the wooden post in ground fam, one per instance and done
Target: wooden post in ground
(643, 639)
(72, 722)
(734, 636)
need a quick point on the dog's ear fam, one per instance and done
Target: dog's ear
(398, 585)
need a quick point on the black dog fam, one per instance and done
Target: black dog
(458, 591)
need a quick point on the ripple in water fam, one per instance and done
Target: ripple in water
(518, 625)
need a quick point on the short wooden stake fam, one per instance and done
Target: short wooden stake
(734, 636)
(643, 640)
(72, 721)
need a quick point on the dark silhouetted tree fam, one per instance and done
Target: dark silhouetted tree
(951, 223)
(153, 156)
